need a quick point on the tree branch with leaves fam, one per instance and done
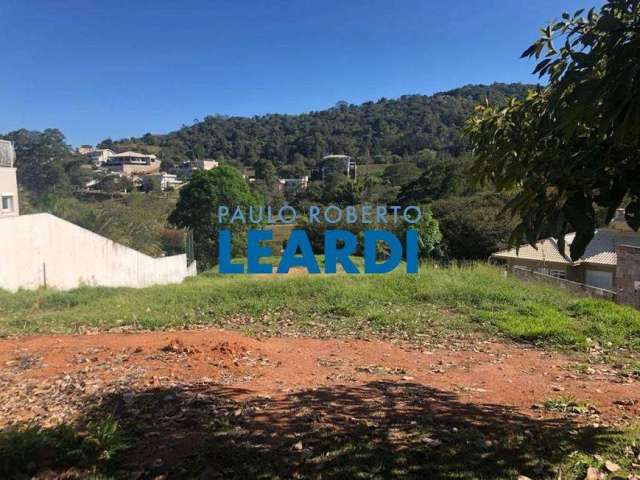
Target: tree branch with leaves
(575, 143)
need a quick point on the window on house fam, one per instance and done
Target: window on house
(558, 273)
(7, 203)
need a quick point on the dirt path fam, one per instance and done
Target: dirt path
(490, 372)
(309, 408)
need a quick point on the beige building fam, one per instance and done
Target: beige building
(133, 163)
(187, 168)
(205, 164)
(100, 156)
(85, 149)
(9, 205)
(597, 266)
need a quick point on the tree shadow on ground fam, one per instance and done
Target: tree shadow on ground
(380, 429)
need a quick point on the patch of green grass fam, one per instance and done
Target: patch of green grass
(621, 447)
(565, 404)
(436, 302)
(27, 449)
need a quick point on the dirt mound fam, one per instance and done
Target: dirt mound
(178, 346)
(230, 349)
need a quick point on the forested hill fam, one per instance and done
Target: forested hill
(378, 131)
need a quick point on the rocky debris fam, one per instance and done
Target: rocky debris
(178, 346)
(611, 467)
(593, 474)
(23, 361)
(381, 370)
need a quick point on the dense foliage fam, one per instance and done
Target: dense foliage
(409, 151)
(45, 162)
(197, 209)
(385, 131)
(138, 220)
(472, 227)
(575, 144)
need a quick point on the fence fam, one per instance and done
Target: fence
(575, 287)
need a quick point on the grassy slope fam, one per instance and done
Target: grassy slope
(423, 307)
(435, 302)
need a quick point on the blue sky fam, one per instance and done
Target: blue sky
(120, 68)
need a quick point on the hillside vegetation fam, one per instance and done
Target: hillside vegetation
(383, 131)
(409, 151)
(417, 309)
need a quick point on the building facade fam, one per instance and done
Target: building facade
(9, 204)
(133, 163)
(85, 149)
(100, 156)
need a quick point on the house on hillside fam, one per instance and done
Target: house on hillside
(133, 163)
(162, 181)
(44, 250)
(292, 184)
(598, 265)
(205, 164)
(187, 168)
(99, 156)
(85, 149)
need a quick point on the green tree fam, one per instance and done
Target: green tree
(41, 158)
(114, 184)
(574, 144)
(399, 174)
(197, 209)
(407, 129)
(472, 227)
(429, 235)
(265, 171)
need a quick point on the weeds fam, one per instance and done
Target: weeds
(432, 304)
(565, 404)
(26, 449)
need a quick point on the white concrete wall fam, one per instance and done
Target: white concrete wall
(9, 186)
(42, 247)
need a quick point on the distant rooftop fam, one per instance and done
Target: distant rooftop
(133, 154)
(600, 251)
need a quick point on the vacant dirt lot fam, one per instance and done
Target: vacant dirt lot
(176, 391)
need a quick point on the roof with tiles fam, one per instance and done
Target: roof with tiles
(600, 251)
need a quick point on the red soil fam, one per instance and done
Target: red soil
(70, 368)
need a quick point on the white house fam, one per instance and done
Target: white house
(165, 180)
